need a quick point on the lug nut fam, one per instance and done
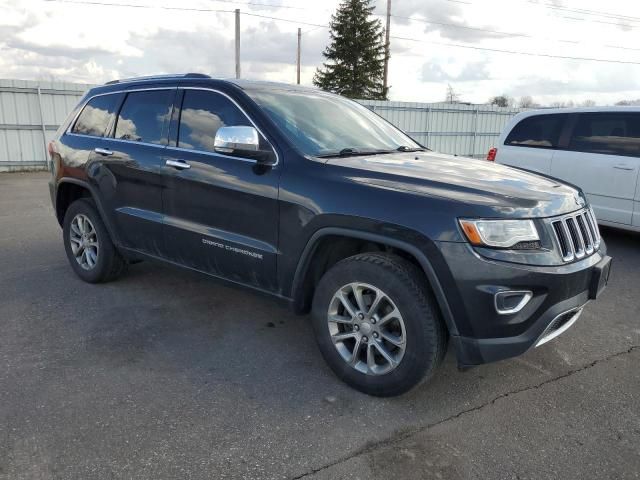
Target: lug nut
(356, 327)
(373, 320)
(375, 334)
(365, 339)
(360, 316)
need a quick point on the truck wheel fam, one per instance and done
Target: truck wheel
(89, 248)
(377, 324)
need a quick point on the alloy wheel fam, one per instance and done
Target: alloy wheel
(84, 241)
(366, 328)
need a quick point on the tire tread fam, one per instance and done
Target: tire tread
(415, 281)
(433, 330)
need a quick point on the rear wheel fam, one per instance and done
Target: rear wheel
(377, 324)
(88, 245)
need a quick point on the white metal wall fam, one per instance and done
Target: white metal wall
(31, 111)
(455, 128)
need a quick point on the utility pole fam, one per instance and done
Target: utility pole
(386, 50)
(237, 43)
(298, 57)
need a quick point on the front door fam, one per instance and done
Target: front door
(221, 212)
(603, 158)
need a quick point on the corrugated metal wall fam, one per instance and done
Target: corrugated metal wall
(31, 111)
(455, 128)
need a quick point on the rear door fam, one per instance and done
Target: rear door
(221, 212)
(531, 142)
(132, 178)
(602, 156)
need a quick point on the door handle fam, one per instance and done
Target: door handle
(103, 151)
(177, 164)
(623, 167)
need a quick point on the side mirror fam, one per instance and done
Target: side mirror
(242, 141)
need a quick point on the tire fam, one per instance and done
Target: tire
(105, 263)
(419, 336)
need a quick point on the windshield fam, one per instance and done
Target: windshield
(319, 123)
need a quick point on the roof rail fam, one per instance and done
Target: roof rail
(159, 77)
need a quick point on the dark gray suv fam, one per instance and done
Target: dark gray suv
(316, 200)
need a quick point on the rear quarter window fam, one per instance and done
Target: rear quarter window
(538, 131)
(96, 116)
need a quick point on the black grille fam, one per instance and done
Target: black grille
(560, 236)
(576, 239)
(586, 235)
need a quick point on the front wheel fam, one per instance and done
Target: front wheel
(377, 324)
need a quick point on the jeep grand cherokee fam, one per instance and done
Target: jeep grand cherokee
(314, 199)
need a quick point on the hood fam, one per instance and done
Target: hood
(508, 191)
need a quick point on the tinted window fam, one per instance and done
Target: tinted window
(203, 113)
(96, 116)
(608, 133)
(143, 116)
(539, 131)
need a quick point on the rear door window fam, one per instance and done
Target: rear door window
(607, 133)
(202, 114)
(538, 131)
(144, 116)
(96, 116)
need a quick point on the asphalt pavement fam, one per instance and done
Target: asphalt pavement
(167, 374)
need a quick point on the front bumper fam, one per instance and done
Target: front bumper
(482, 334)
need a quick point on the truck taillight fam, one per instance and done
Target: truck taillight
(491, 156)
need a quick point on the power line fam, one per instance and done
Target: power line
(497, 32)
(497, 50)
(313, 29)
(288, 20)
(133, 5)
(259, 4)
(581, 11)
(186, 9)
(471, 47)
(584, 11)
(516, 52)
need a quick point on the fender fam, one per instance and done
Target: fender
(309, 250)
(96, 199)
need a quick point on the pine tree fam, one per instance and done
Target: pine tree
(355, 57)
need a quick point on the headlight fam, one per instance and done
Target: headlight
(499, 233)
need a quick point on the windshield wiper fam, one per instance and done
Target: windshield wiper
(404, 148)
(346, 152)
(352, 152)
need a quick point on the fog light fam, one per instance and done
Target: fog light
(511, 301)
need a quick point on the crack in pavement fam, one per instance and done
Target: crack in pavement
(410, 431)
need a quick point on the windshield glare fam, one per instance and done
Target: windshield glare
(319, 123)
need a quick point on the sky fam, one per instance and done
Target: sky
(434, 43)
